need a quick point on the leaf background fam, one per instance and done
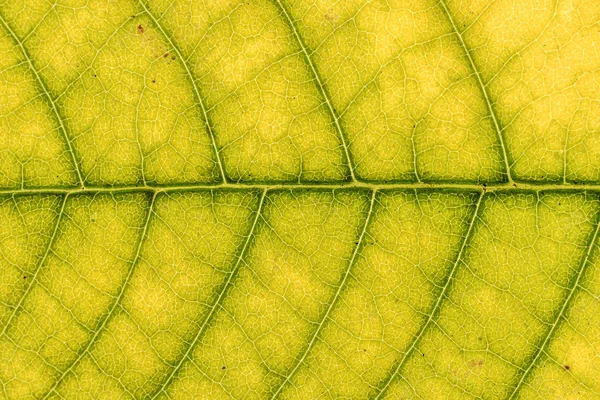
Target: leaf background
(299, 199)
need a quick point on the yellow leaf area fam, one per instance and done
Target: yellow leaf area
(300, 199)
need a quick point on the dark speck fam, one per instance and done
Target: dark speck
(140, 29)
(567, 367)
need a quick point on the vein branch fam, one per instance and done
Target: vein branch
(39, 266)
(545, 342)
(483, 89)
(195, 87)
(432, 315)
(46, 92)
(320, 86)
(110, 314)
(219, 301)
(333, 302)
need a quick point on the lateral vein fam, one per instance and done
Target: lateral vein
(101, 327)
(321, 86)
(436, 307)
(39, 266)
(333, 302)
(190, 76)
(219, 301)
(483, 89)
(561, 313)
(46, 93)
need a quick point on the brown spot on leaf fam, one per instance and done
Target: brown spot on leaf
(331, 15)
(168, 56)
(140, 29)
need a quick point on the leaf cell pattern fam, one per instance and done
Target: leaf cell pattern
(299, 199)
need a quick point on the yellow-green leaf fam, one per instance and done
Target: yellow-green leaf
(299, 199)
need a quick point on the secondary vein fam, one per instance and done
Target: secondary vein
(483, 89)
(320, 85)
(104, 322)
(46, 93)
(333, 302)
(436, 307)
(39, 266)
(190, 76)
(556, 323)
(213, 310)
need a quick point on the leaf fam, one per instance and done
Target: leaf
(299, 199)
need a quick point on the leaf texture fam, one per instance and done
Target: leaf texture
(299, 199)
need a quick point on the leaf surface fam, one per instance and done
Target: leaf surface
(299, 199)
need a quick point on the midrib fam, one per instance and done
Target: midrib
(500, 187)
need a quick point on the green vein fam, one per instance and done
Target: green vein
(39, 266)
(504, 187)
(190, 76)
(218, 302)
(104, 322)
(414, 155)
(436, 307)
(320, 85)
(560, 315)
(46, 93)
(333, 302)
(484, 91)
